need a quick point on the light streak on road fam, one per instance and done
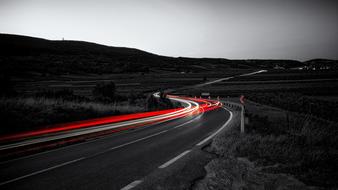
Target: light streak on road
(192, 106)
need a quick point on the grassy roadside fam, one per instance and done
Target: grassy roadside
(47, 107)
(27, 113)
(274, 154)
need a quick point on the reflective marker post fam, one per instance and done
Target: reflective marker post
(241, 99)
(242, 119)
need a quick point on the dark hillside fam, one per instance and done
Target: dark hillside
(27, 56)
(24, 45)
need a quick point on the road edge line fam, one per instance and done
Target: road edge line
(219, 130)
(168, 163)
(131, 185)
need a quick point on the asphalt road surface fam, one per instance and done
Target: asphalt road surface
(114, 161)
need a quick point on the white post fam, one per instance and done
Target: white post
(242, 119)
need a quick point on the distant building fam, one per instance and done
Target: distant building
(205, 94)
(299, 68)
(278, 67)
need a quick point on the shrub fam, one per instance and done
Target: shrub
(153, 103)
(104, 91)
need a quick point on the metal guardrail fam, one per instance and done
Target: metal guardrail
(241, 107)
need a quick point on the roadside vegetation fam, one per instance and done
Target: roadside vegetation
(297, 102)
(48, 107)
(279, 150)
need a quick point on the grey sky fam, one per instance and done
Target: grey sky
(293, 29)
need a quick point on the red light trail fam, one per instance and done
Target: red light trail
(203, 106)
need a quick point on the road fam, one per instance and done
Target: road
(116, 160)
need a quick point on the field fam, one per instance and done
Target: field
(309, 83)
(82, 85)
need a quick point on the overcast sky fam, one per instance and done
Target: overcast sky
(280, 29)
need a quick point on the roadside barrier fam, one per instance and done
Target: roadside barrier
(237, 107)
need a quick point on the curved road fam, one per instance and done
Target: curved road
(119, 160)
(114, 161)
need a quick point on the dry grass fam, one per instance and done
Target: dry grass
(26, 113)
(305, 148)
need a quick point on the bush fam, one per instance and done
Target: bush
(162, 102)
(104, 91)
